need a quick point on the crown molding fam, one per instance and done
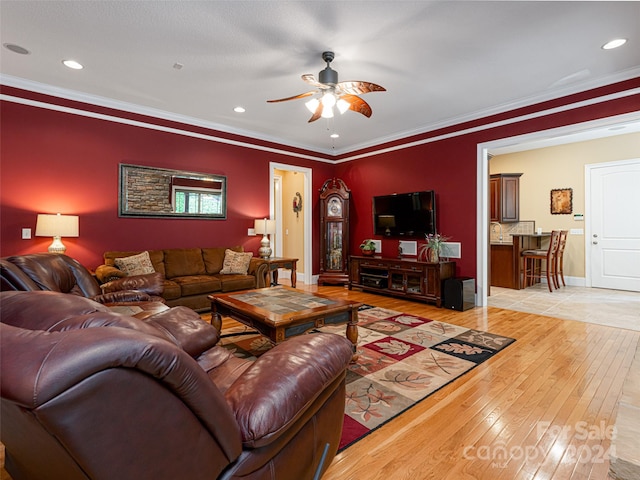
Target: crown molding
(72, 95)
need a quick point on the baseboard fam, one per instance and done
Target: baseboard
(571, 281)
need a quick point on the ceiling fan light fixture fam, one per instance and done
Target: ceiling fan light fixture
(328, 100)
(312, 105)
(343, 105)
(327, 112)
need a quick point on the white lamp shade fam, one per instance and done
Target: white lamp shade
(264, 226)
(57, 225)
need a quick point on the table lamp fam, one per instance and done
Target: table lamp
(387, 222)
(265, 227)
(56, 226)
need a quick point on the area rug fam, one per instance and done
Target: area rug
(402, 359)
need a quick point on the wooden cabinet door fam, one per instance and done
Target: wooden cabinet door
(510, 199)
(494, 199)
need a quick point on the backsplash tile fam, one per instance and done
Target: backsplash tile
(508, 229)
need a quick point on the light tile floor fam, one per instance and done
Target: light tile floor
(614, 308)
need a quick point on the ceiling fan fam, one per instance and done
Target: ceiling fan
(330, 93)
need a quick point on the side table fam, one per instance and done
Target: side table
(280, 262)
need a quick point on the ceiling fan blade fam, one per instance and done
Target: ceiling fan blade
(311, 80)
(358, 88)
(317, 114)
(295, 97)
(358, 105)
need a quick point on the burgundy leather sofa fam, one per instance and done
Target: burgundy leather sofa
(90, 394)
(60, 273)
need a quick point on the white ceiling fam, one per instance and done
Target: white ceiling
(441, 62)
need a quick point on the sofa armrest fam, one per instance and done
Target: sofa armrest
(260, 269)
(122, 296)
(151, 283)
(106, 273)
(186, 329)
(278, 389)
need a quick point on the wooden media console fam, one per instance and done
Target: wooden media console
(407, 278)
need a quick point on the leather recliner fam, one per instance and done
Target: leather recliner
(60, 273)
(90, 394)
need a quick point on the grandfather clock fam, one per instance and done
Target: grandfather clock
(334, 232)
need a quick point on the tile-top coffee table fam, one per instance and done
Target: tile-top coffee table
(282, 312)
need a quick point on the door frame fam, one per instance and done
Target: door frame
(574, 133)
(307, 275)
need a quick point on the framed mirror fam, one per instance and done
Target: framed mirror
(161, 192)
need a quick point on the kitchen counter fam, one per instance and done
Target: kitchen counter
(506, 259)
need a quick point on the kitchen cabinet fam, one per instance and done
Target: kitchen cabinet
(504, 200)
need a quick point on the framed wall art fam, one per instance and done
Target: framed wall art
(161, 192)
(561, 201)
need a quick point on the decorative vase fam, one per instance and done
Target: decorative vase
(434, 255)
(368, 253)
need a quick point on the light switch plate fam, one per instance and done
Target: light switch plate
(26, 233)
(576, 231)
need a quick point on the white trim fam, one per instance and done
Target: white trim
(501, 123)
(74, 95)
(277, 202)
(131, 108)
(482, 199)
(161, 128)
(307, 211)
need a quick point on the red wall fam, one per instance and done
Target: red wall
(449, 167)
(60, 162)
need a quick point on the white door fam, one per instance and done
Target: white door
(613, 193)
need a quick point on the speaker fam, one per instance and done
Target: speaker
(459, 293)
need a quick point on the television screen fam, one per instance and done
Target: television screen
(407, 215)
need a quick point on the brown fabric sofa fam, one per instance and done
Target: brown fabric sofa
(59, 273)
(191, 274)
(90, 394)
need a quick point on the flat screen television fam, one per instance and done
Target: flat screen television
(406, 215)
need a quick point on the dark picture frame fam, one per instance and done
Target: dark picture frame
(561, 201)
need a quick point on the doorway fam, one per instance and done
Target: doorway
(600, 128)
(282, 186)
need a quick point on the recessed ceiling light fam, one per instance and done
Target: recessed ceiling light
(16, 48)
(72, 64)
(239, 110)
(335, 135)
(618, 42)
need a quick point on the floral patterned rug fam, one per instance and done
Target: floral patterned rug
(402, 359)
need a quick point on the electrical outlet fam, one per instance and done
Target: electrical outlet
(26, 233)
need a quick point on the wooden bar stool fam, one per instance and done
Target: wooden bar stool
(533, 263)
(559, 258)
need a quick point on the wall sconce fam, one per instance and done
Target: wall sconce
(57, 226)
(265, 227)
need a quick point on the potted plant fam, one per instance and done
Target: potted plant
(368, 247)
(430, 251)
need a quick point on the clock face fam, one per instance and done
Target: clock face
(334, 208)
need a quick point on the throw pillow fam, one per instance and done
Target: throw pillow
(135, 264)
(236, 262)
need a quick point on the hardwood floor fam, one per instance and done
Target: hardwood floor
(541, 409)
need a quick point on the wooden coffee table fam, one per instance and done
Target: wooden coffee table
(282, 312)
